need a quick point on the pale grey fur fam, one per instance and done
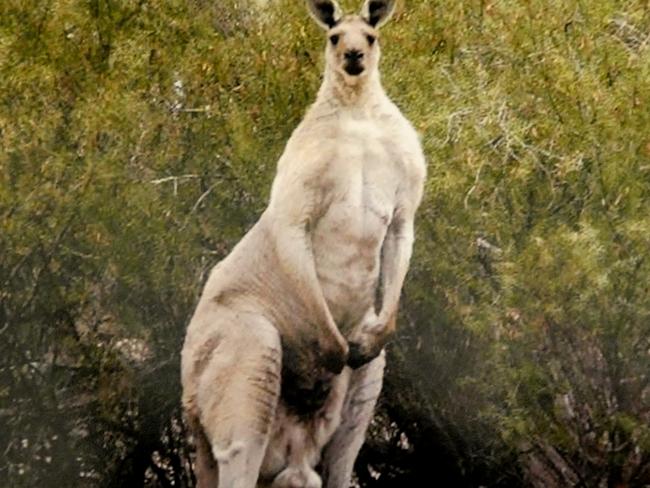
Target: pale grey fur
(322, 269)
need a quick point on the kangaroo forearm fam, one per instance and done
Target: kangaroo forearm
(395, 261)
(297, 262)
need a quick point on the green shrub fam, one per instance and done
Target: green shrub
(138, 142)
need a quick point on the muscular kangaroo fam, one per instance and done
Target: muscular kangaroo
(283, 359)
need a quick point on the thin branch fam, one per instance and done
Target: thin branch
(174, 179)
(203, 197)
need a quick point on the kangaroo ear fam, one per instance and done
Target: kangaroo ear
(326, 12)
(377, 12)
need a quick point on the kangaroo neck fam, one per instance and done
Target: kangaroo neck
(339, 91)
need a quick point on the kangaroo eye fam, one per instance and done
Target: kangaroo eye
(371, 39)
(334, 39)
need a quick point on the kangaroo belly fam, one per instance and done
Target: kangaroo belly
(347, 248)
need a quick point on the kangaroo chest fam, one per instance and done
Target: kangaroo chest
(348, 238)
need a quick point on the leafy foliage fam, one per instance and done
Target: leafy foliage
(138, 141)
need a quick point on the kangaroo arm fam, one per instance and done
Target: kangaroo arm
(395, 258)
(294, 251)
(398, 245)
(292, 225)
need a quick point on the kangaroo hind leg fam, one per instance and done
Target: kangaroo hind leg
(341, 452)
(237, 398)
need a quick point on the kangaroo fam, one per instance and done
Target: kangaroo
(283, 359)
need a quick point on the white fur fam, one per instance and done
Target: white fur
(337, 232)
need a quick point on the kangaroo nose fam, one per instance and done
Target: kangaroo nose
(353, 55)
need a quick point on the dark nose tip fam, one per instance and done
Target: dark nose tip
(353, 55)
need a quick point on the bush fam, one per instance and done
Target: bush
(139, 141)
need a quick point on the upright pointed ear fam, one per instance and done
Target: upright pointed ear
(326, 12)
(377, 12)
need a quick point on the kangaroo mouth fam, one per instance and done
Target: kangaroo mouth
(353, 69)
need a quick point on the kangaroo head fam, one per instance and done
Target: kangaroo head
(352, 40)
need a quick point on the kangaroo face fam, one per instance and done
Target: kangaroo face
(352, 40)
(352, 47)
